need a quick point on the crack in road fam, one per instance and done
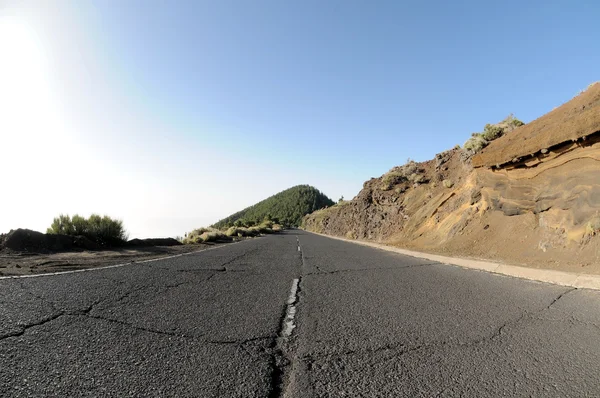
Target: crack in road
(403, 349)
(282, 359)
(244, 254)
(279, 349)
(560, 296)
(140, 328)
(57, 313)
(113, 301)
(24, 328)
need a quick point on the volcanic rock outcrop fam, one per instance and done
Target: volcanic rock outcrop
(531, 196)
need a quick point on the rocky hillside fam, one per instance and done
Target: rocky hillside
(530, 197)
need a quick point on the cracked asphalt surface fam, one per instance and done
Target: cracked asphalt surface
(367, 323)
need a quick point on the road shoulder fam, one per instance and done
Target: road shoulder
(577, 280)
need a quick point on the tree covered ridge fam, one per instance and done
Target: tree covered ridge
(286, 207)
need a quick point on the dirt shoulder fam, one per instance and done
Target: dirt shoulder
(13, 264)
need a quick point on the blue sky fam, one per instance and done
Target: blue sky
(179, 113)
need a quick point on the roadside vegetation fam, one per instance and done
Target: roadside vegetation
(409, 172)
(241, 230)
(100, 229)
(491, 132)
(285, 208)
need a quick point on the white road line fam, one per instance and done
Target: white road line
(290, 312)
(113, 266)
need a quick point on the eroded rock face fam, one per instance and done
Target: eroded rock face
(562, 188)
(405, 209)
(573, 120)
(534, 195)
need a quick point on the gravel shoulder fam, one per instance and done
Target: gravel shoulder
(13, 264)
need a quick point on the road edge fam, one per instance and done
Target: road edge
(76, 271)
(571, 279)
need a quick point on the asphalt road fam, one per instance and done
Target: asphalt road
(296, 315)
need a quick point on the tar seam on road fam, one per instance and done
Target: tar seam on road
(281, 358)
(114, 266)
(290, 312)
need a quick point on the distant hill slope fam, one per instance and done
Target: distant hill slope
(288, 207)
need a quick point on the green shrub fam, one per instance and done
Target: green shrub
(448, 183)
(196, 236)
(213, 236)
(492, 131)
(476, 143)
(200, 231)
(417, 178)
(391, 178)
(61, 225)
(233, 231)
(260, 229)
(267, 224)
(511, 120)
(103, 230)
(409, 168)
(250, 232)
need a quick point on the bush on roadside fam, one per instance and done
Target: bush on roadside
(197, 235)
(277, 228)
(103, 230)
(240, 232)
(214, 236)
(203, 235)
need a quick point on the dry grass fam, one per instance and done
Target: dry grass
(203, 235)
(593, 227)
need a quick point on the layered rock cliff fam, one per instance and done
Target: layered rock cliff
(530, 197)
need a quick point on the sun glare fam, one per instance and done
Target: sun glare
(31, 126)
(25, 97)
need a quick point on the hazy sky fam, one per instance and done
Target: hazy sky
(172, 115)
